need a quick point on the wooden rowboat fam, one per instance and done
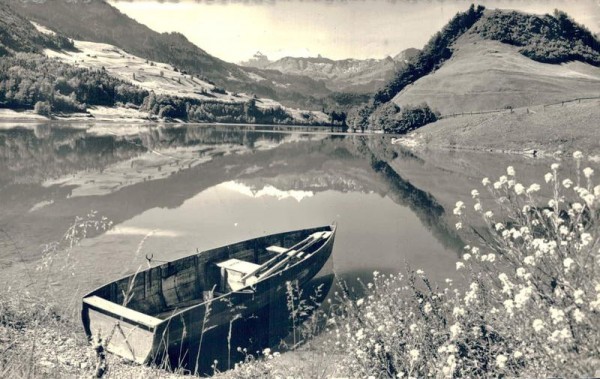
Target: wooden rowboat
(147, 314)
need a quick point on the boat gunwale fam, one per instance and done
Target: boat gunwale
(332, 226)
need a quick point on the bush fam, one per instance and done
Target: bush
(530, 306)
(42, 108)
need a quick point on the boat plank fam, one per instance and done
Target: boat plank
(121, 311)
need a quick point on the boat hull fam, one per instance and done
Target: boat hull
(144, 332)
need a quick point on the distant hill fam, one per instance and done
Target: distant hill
(347, 75)
(18, 35)
(98, 21)
(492, 59)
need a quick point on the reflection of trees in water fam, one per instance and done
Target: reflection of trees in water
(47, 151)
(422, 203)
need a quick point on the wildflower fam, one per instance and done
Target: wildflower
(375, 273)
(522, 297)
(455, 330)
(555, 166)
(578, 315)
(578, 154)
(529, 260)
(509, 305)
(517, 354)
(533, 188)
(489, 214)
(586, 238)
(521, 272)
(510, 171)
(359, 302)
(486, 181)
(501, 360)
(414, 354)
(474, 193)
(413, 328)
(467, 256)
(427, 308)
(499, 226)
(519, 189)
(567, 183)
(360, 334)
(548, 177)
(588, 172)
(568, 263)
(497, 185)
(477, 207)
(491, 257)
(538, 325)
(577, 207)
(459, 207)
(458, 311)
(458, 225)
(577, 294)
(589, 199)
(420, 272)
(459, 265)
(557, 315)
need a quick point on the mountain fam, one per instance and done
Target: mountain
(18, 35)
(347, 75)
(490, 60)
(98, 21)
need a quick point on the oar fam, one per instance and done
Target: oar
(289, 257)
(278, 256)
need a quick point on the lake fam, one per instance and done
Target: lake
(172, 190)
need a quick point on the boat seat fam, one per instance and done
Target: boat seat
(277, 249)
(234, 270)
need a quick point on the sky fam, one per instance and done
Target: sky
(235, 30)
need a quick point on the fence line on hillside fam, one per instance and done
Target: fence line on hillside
(511, 110)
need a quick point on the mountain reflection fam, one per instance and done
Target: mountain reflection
(58, 172)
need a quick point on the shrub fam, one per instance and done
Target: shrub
(530, 306)
(42, 108)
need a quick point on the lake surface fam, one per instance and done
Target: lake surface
(172, 190)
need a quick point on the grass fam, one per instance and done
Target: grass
(484, 75)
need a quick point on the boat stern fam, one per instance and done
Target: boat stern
(124, 331)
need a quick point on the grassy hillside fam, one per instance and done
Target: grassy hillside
(486, 75)
(98, 21)
(543, 130)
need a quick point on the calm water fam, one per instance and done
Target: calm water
(172, 190)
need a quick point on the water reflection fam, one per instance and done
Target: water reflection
(204, 186)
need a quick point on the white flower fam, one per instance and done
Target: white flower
(554, 166)
(510, 171)
(459, 265)
(578, 315)
(568, 263)
(458, 311)
(548, 177)
(519, 189)
(485, 181)
(521, 272)
(375, 273)
(455, 331)
(359, 302)
(458, 225)
(577, 207)
(477, 207)
(533, 188)
(529, 260)
(517, 354)
(474, 193)
(567, 183)
(467, 256)
(522, 297)
(414, 354)
(588, 172)
(501, 360)
(491, 257)
(419, 272)
(589, 199)
(489, 214)
(538, 325)
(578, 154)
(509, 305)
(427, 308)
(557, 315)
(586, 238)
(577, 294)
(499, 226)
(497, 185)
(503, 179)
